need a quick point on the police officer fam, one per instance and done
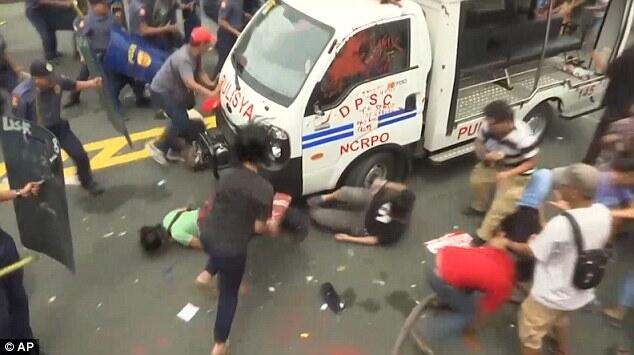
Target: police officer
(173, 91)
(49, 16)
(96, 26)
(165, 36)
(22, 99)
(191, 19)
(46, 104)
(9, 77)
(230, 22)
(17, 324)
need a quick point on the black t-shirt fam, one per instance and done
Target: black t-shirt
(242, 197)
(379, 221)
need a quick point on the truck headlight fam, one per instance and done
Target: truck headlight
(279, 148)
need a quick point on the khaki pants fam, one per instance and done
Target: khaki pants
(535, 321)
(497, 199)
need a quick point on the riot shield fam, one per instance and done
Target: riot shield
(162, 12)
(32, 153)
(107, 101)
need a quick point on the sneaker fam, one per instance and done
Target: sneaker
(95, 189)
(156, 153)
(160, 115)
(173, 156)
(470, 211)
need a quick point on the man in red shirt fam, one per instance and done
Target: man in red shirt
(473, 282)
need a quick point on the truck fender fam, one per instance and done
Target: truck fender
(401, 153)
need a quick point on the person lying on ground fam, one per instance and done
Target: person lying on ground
(179, 225)
(377, 215)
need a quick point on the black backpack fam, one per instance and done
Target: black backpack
(590, 266)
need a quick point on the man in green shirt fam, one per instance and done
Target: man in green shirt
(179, 225)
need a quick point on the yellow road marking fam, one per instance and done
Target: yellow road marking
(107, 150)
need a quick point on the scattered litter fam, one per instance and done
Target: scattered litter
(97, 330)
(271, 289)
(52, 299)
(412, 285)
(560, 138)
(417, 302)
(209, 310)
(123, 217)
(324, 307)
(136, 281)
(304, 335)
(331, 297)
(341, 268)
(188, 312)
(168, 272)
(108, 235)
(456, 227)
(422, 261)
(378, 282)
(350, 252)
(83, 220)
(122, 234)
(99, 305)
(456, 239)
(309, 278)
(161, 182)
(341, 305)
(512, 325)
(278, 284)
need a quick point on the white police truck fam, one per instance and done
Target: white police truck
(355, 89)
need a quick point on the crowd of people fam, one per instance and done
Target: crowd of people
(562, 259)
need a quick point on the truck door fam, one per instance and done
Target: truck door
(370, 95)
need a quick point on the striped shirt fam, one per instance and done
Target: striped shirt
(518, 146)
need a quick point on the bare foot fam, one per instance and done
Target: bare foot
(219, 349)
(203, 280)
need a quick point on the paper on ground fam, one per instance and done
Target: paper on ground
(456, 239)
(188, 312)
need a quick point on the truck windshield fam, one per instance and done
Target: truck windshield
(277, 52)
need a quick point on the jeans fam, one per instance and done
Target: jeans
(47, 21)
(69, 142)
(179, 120)
(230, 270)
(351, 218)
(191, 21)
(226, 40)
(16, 325)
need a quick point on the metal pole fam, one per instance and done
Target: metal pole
(538, 74)
(16, 266)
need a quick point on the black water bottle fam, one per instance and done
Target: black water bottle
(331, 297)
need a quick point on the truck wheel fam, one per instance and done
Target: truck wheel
(380, 165)
(538, 120)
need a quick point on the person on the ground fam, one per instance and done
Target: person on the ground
(474, 282)
(618, 99)
(96, 26)
(49, 16)
(174, 90)
(553, 295)
(377, 215)
(508, 155)
(230, 24)
(9, 74)
(45, 105)
(17, 324)
(242, 205)
(527, 220)
(179, 225)
(166, 37)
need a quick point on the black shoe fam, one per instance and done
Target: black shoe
(54, 58)
(94, 189)
(73, 100)
(470, 211)
(160, 115)
(477, 241)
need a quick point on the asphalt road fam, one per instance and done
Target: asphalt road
(121, 302)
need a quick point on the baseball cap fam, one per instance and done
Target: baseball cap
(201, 35)
(537, 190)
(579, 176)
(41, 68)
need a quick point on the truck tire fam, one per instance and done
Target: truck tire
(538, 119)
(378, 165)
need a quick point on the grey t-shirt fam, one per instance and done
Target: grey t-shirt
(97, 30)
(242, 197)
(232, 12)
(48, 103)
(170, 79)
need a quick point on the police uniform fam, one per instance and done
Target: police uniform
(47, 20)
(97, 30)
(47, 105)
(141, 12)
(22, 99)
(231, 11)
(9, 78)
(16, 324)
(191, 19)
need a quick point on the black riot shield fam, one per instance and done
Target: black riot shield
(32, 153)
(105, 96)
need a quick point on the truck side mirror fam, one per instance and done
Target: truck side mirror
(317, 109)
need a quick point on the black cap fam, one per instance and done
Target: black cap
(41, 68)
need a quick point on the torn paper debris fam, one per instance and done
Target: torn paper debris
(188, 312)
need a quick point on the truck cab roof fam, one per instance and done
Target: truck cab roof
(349, 15)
